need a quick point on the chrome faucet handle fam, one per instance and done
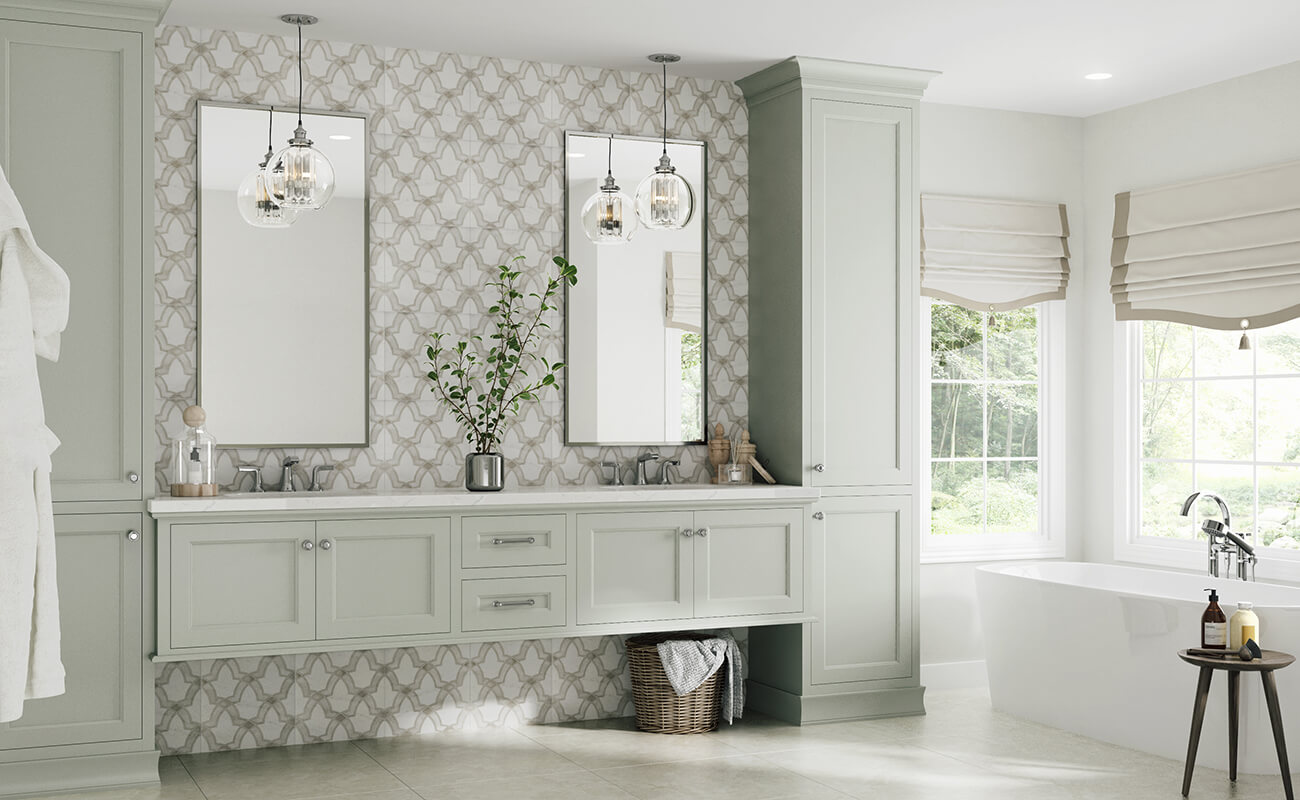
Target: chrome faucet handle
(315, 476)
(256, 472)
(617, 478)
(664, 478)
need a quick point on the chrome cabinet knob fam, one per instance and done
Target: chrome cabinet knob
(818, 515)
(819, 467)
(133, 477)
(132, 536)
(326, 544)
(307, 545)
(702, 532)
(687, 532)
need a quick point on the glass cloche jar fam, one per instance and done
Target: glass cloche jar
(194, 458)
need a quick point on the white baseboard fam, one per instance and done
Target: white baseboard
(954, 675)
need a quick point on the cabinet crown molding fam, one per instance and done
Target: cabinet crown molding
(150, 11)
(824, 73)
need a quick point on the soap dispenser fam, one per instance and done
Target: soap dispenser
(1214, 625)
(194, 458)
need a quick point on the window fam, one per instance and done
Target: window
(987, 422)
(1215, 418)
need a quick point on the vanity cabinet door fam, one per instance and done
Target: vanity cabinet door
(862, 574)
(100, 592)
(861, 310)
(70, 133)
(388, 577)
(242, 583)
(748, 562)
(635, 567)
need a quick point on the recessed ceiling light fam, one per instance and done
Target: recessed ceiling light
(1098, 76)
(340, 137)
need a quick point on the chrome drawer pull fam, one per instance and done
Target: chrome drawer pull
(132, 536)
(818, 515)
(688, 532)
(307, 544)
(702, 532)
(508, 603)
(326, 544)
(515, 540)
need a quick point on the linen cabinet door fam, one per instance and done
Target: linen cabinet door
(81, 188)
(242, 583)
(389, 577)
(748, 562)
(862, 294)
(863, 575)
(100, 560)
(635, 567)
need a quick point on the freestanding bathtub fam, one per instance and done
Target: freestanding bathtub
(1092, 648)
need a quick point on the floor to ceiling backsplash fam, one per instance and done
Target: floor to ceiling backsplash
(466, 172)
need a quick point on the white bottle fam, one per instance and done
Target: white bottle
(1243, 625)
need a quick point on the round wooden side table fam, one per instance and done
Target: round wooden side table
(1265, 666)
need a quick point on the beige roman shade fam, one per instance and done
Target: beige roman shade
(684, 304)
(993, 255)
(1219, 253)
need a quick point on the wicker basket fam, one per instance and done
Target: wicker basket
(658, 707)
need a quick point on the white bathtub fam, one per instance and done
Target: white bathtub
(1092, 648)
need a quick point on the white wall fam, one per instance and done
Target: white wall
(1017, 156)
(1245, 122)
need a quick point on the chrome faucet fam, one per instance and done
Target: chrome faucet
(286, 474)
(1223, 542)
(315, 477)
(640, 465)
(665, 479)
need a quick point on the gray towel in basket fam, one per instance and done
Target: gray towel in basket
(689, 663)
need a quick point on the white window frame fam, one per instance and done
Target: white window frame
(1049, 542)
(1130, 545)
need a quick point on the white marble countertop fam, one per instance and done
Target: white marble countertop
(677, 494)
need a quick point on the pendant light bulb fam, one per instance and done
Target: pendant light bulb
(258, 199)
(664, 199)
(308, 174)
(607, 216)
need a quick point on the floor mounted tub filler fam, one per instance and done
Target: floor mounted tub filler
(1093, 648)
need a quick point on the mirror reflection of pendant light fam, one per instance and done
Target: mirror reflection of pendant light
(258, 199)
(308, 174)
(664, 200)
(605, 216)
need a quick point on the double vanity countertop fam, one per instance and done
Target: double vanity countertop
(452, 499)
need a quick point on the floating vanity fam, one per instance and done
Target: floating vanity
(248, 574)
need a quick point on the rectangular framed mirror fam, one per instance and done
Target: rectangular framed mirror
(283, 312)
(636, 323)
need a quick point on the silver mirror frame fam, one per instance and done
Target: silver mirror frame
(198, 266)
(702, 199)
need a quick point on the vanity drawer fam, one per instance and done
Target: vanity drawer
(518, 541)
(491, 604)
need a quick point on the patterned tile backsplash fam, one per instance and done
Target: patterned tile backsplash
(268, 701)
(466, 172)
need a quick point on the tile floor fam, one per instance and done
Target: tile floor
(962, 750)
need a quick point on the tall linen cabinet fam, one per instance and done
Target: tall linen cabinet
(834, 375)
(76, 143)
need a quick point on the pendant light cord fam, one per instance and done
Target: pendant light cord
(300, 77)
(665, 66)
(270, 121)
(610, 161)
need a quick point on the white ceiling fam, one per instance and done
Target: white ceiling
(1027, 55)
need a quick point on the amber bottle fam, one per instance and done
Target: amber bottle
(1214, 625)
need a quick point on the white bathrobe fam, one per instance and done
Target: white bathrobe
(33, 311)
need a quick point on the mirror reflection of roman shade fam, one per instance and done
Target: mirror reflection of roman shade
(684, 303)
(1215, 253)
(993, 255)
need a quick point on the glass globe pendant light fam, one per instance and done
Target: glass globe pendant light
(308, 174)
(664, 200)
(259, 200)
(606, 216)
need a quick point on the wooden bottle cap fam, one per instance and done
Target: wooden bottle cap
(194, 416)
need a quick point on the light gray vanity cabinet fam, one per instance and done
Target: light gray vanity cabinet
(681, 565)
(71, 136)
(100, 561)
(386, 577)
(234, 583)
(834, 376)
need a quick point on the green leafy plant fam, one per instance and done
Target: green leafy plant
(483, 391)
